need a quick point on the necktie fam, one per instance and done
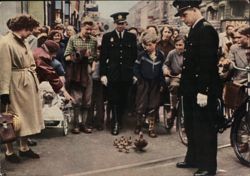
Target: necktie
(120, 35)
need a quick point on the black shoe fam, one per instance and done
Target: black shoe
(13, 158)
(100, 128)
(200, 172)
(31, 142)
(152, 134)
(75, 131)
(29, 154)
(185, 165)
(115, 129)
(85, 129)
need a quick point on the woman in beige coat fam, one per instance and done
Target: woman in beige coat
(19, 83)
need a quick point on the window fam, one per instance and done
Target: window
(238, 9)
(58, 5)
(67, 8)
(221, 12)
(212, 13)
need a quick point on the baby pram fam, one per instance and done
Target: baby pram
(56, 112)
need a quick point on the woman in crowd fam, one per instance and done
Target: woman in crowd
(19, 84)
(57, 37)
(166, 44)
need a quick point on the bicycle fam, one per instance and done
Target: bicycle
(240, 128)
(179, 117)
(238, 119)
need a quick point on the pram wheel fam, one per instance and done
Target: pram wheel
(65, 126)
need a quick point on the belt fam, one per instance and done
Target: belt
(24, 72)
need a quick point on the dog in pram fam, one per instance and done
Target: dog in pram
(56, 110)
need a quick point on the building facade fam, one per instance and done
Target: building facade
(46, 12)
(219, 12)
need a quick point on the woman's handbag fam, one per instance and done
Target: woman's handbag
(234, 95)
(9, 125)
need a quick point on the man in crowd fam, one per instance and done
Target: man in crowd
(200, 89)
(118, 54)
(80, 53)
(226, 40)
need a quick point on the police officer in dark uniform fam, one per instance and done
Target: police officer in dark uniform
(200, 88)
(117, 57)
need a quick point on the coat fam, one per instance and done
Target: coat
(45, 71)
(238, 55)
(18, 79)
(199, 70)
(117, 58)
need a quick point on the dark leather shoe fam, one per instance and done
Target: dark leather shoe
(31, 142)
(100, 128)
(13, 158)
(185, 165)
(85, 129)
(29, 154)
(75, 131)
(200, 172)
(115, 129)
(152, 134)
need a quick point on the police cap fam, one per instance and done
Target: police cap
(119, 17)
(182, 5)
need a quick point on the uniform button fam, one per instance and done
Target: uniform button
(196, 75)
(120, 51)
(183, 67)
(120, 63)
(120, 57)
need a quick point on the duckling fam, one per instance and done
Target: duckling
(130, 140)
(140, 143)
(116, 142)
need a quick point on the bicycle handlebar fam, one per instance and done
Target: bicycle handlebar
(247, 69)
(172, 76)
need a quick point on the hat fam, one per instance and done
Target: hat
(182, 5)
(119, 17)
(52, 46)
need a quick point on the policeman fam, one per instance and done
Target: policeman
(200, 89)
(117, 57)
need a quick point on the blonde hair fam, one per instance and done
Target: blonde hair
(149, 38)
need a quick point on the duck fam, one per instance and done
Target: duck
(140, 143)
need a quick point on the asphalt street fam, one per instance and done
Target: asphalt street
(94, 155)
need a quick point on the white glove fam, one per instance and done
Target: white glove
(134, 79)
(201, 100)
(104, 80)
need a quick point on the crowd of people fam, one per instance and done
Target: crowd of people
(135, 71)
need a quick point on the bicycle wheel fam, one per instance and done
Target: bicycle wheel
(240, 138)
(166, 115)
(180, 123)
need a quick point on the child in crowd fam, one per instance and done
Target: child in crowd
(149, 76)
(172, 68)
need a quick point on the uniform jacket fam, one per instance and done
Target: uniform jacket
(117, 56)
(45, 71)
(18, 79)
(199, 70)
